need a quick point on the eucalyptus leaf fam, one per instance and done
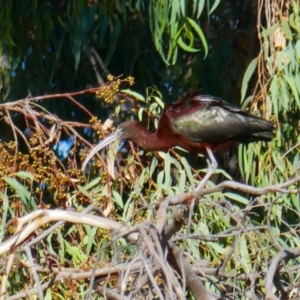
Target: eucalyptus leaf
(248, 74)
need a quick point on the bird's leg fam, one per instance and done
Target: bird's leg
(212, 166)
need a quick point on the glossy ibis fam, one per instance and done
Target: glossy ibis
(197, 123)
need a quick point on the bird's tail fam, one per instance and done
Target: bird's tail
(262, 130)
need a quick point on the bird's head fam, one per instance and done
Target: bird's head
(125, 131)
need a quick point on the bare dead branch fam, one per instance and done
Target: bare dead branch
(273, 272)
(193, 282)
(39, 218)
(282, 188)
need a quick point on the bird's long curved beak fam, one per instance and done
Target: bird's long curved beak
(110, 139)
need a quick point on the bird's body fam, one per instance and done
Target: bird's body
(196, 123)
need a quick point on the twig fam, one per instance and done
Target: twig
(34, 273)
(280, 188)
(41, 217)
(193, 282)
(274, 265)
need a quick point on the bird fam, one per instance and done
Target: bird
(197, 123)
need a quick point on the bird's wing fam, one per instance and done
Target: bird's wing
(210, 119)
(209, 126)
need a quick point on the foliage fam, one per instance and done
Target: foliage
(278, 96)
(51, 46)
(222, 232)
(232, 236)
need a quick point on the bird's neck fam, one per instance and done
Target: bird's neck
(150, 140)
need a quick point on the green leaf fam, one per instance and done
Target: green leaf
(5, 205)
(249, 72)
(48, 295)
(175, 163)
(140, 113)
(187, 170)
(111, 157)
(175, 55)
(83, 191)
(76, 47)
(240, 158)
(268, 31)
(200, 34)
(182, 181)
(88, 17)
(50, 244)
(134, 94)
(128, 211)
(215, 5)
(285, 95)
(93, 183)
(218, 249)
(142, 180)
(277, 211)
(186, 47)
(274, 94)
(25, 175)
(294, 21)
(58, 50)
(160, 178)
(297, 50)
(182, 7)
(104, 26)
(91, 233)
(118, 198)
(175, 11)
(21, 191)
(117, 109)
(159, 101)
(76, 254)
(247, 101)
(237, 198)
(286, 29)
(199, 7)
(295, 5)
(153, 165)
(292, 86)
(167, 169)
(245, 257)
(152, 108)
(113, 41)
